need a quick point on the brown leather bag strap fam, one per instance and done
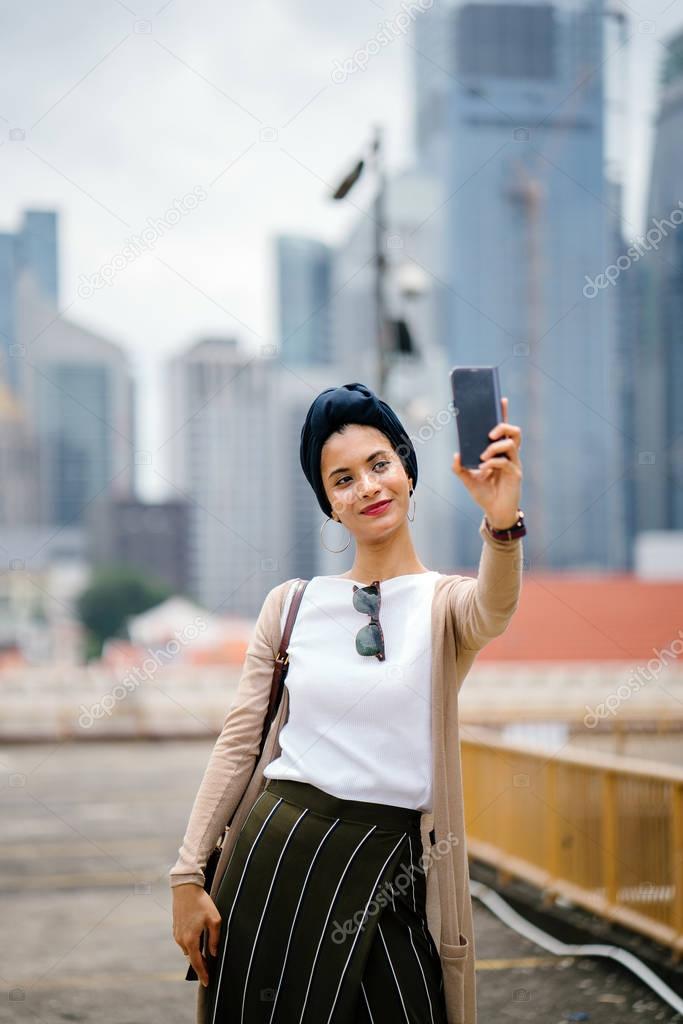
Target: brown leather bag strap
(282, 660)
(279, 673)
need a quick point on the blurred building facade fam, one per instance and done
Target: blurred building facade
(305, 365)
(43, 571)
(78, 394)
(224, 456)
(510, 115)
(629, 304)
(148, 536)
(67, 429)
(659, 359)
(19, 493)
(66, 394)
(303, 300)
(32, 249)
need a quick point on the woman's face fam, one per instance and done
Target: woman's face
(360, 468)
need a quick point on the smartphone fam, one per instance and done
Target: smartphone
(477, 406)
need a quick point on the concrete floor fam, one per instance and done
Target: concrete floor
(89, 833)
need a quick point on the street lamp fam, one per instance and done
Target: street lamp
(341, 192)
(349, 181)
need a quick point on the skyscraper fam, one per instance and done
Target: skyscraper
(78, 395)
(510, 114)
(32, 249)
(303, 283)
(659, 411)
(223, 456)
(37, 250)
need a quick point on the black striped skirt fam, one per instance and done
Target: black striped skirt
(323, 916)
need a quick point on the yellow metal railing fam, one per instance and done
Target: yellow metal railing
(603, 831)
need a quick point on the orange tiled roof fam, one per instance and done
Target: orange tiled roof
(565, 617)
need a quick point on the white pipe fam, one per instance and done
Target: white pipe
(497, 905)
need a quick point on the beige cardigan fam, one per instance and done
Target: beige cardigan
(467, 612)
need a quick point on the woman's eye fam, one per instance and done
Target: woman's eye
(382, 462)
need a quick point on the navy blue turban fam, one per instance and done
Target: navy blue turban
(349, 403)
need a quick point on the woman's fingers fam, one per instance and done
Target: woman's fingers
(457, 467)
(499, 472)
(506, 444)
(497, 460)
(507, 429)
(214, 926)
(197, 961)
(193, 912)
(506, 437)
(464, 472)
(190, 945)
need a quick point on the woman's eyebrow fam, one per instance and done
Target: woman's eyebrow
(345, 469)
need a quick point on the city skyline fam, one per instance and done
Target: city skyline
(260, 189)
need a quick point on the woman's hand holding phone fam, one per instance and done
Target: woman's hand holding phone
(496, 484)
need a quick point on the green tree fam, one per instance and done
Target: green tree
(114, 593)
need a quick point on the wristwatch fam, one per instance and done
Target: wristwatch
(518, 528)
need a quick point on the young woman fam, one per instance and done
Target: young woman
(321, 914)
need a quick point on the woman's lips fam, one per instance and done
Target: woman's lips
(377, 511)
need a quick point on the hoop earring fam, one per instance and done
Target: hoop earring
(335, 551)
(414, 503)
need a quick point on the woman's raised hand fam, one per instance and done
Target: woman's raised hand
(496, 484)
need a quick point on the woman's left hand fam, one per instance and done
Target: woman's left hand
(496, 484)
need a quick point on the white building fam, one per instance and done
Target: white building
(224, 456)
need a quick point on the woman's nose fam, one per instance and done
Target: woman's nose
(368, 484)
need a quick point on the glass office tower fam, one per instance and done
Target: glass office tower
(510, 114)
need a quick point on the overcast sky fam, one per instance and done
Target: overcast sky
(129, 107)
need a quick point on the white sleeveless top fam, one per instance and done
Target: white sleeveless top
(360, 728)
